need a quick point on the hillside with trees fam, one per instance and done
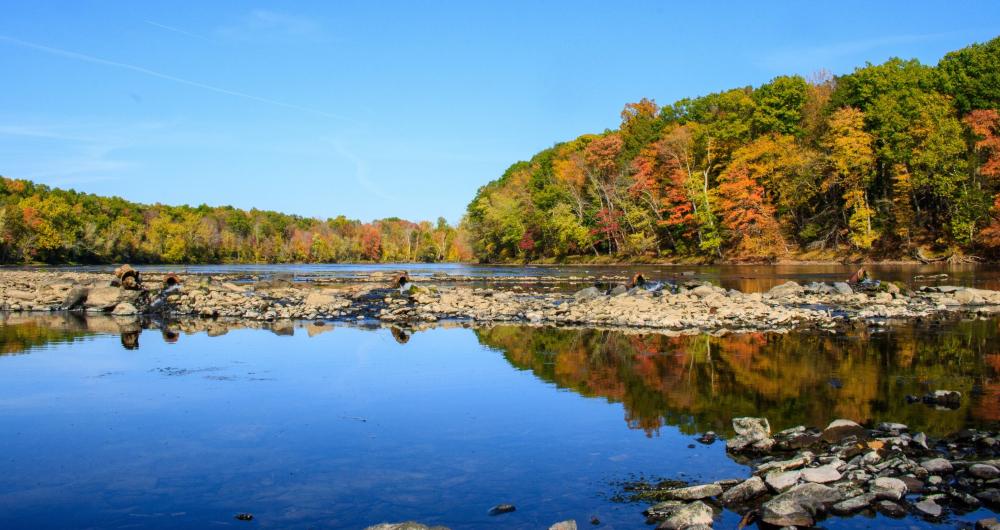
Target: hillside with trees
(895, 160)
(42, 224)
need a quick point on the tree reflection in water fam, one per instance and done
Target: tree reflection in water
(701, 382)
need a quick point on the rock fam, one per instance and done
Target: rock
(586, 294)
(786, 289)
(662, 510)
(854, 504)
(888, 488)
(318, 299)
(75, 298)
(408, 525)
(894, 428)
(841, 429)
(688, 516)
(125, 309)
(799, 505)
(501, 509)
(821, 474)
(945, 398)
(564, 525)
(990, 497)
(103, 298)
(937, 466)
(782, 480)
(928, 508)
(984, 471)
(243, 517)
(891, 509)
(990, 523)
(750, 432)
(708, 438)
(692, 493)
(920, 439)
(843, 288)
(618, 290)
(744, 491)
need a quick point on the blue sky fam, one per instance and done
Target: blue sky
(375, 109)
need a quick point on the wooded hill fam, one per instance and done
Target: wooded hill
(890, 161)
(42, 224)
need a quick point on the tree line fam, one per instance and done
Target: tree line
(50, 225)
(898, 159)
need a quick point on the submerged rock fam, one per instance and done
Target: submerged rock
(688, 516)
(500, 509)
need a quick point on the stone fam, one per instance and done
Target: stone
(989, 523)
(744, 491)
(750, 432)
(947, 398)
(103, 298)
(75, 298)
(841, 429)
(318, 299)
(782, 480)
(692, 493)
(662, 510)
(689, 516)
(500, 509)
(843, 288)
(892, 427)
(937, 466)
(125, 309)
(928, 508)
(888, 488)
(618, 290)
(786, 289)
(821, 474)
(564, 525)
(854, 504)
(990, 497)
(891, 508)
(408, 525)
(586, 294)
(984, 471)
(799, 505)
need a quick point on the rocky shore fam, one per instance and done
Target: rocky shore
(802, 475)
(687, 307)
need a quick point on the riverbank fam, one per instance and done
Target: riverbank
(683, 306)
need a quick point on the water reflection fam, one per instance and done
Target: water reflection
(697, 383)
(700, 383)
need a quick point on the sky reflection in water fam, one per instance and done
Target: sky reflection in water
(350, 427)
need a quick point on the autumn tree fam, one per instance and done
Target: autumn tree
(851, 155)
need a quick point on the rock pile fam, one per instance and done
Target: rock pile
(802, 475)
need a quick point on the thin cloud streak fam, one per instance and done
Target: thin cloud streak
(152, 73)
(177, 30)
(822, 56)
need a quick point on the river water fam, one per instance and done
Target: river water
(307, 426)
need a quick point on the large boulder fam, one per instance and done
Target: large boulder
(688, 516)
(800, 505)
(840, 429)
(744, 491)
(786, 289)
(692, 493)
(103, 298)
(587, 294)
(751, 433)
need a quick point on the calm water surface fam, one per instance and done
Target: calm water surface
(747, 278)
(321, 427)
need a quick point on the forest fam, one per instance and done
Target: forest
(39, 224)
(898, 160)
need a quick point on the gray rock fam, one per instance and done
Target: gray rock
(692, 493)
(564, 525)
(843, 288)
(984, 471)
(408, 525)
(750, 433)
(799, 505)
(891, 508)
(854, 504)
(821, 474)
(75, 298)
(840, 429)
(888, 488)
(587, 294)
(937, 466)
(928, 508)
(618, 290)
(782, 480)
(103, 298)
(990, 497)
(662, 510)
(744, 491)
(786, 289)
(688, 517)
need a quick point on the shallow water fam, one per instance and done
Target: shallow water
(747, 278)
(343, 427)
